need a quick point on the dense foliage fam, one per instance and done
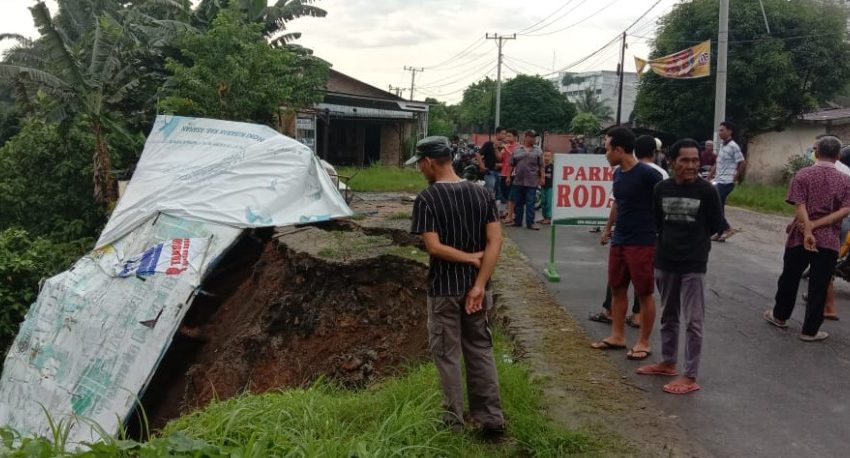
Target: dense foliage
(230, 72)
(772, 78)
(532, 102)
(585, 124)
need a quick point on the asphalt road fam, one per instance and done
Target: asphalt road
(764, 392)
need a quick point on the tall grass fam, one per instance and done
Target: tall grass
(382, 178)
(398, 417)
(761, 198)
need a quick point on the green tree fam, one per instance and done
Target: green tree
(477, 108)
(531, 102)
(273, 17)
(773, 78)
(585, 124)
(231, 72)
(42, 182)
(88, 58)
(590, 103)
(439, 119)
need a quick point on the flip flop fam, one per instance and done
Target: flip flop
(605, 345)
(645, 370)
(630, 320)
(831, 317)
(685, 389)
(768, 316)
(599, 318)
(631, 355)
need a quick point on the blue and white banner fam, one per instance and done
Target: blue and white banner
(171, 257)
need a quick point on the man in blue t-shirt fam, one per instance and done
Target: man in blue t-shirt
(632, 251)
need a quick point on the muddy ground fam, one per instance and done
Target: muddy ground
(344, 301)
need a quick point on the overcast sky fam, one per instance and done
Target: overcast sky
(372, 40)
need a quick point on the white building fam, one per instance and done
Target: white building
(604, 84)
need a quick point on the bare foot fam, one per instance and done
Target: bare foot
(658, 369)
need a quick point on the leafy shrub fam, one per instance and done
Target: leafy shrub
(794, 164)
(45, 182)
(24, 262)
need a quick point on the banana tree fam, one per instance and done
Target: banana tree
(274, 17)
(93, 72)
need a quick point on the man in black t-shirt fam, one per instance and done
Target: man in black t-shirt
(687, 213)
(460, 226)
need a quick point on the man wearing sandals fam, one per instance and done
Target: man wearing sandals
(633, 242)
(687, 213)
(821, 195)
(646, 148)
(727, 171)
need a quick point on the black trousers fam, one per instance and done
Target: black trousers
(794, 263)
(608, 296)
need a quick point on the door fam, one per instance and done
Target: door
(372, 145)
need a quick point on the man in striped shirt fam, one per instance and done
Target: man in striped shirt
(460, 226)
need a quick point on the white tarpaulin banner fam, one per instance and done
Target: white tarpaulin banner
(91, 343)
(242, 175)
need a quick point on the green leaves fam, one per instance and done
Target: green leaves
(798, 67)
(231, 72)
(585, 124)
(531, 102)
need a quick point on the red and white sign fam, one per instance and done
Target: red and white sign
(582, 189)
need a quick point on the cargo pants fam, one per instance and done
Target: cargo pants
(453, 333)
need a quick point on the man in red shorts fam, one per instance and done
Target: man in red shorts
(632, 251)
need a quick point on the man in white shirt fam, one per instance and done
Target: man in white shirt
(727, 172)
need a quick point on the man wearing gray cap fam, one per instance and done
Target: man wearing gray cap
(460, 226)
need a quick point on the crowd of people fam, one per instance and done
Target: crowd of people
(660, 231)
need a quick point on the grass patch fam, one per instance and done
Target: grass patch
(410, 253)
(397, 417)
(381, 178)
(400, 216)
(761, 198)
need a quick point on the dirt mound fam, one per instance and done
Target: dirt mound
(283, 309)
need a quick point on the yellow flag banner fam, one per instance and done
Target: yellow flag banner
(690, 63)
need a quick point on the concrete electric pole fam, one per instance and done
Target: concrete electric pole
(621, 71)
(722, 53)
(413, 71)
(499, 40)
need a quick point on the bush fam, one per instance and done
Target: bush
(794, 164)
(45, 182)
(24, 262)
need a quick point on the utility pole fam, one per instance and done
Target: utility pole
(397, 90)
(722, 50)
(413, 71)
(620, 71)
(499, 40)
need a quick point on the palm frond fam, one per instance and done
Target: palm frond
(55, 44)
(10, 72)
(284, 40)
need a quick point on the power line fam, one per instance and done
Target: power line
(643, 15)
(413, 71)
(610, 4)
(585, 58)
(475, 45)
(533, 28)
(525, 62)
(459, 78)
(443, 94)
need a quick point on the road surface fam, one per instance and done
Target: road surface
(764, 392)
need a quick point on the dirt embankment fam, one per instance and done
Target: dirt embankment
(283, 309)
